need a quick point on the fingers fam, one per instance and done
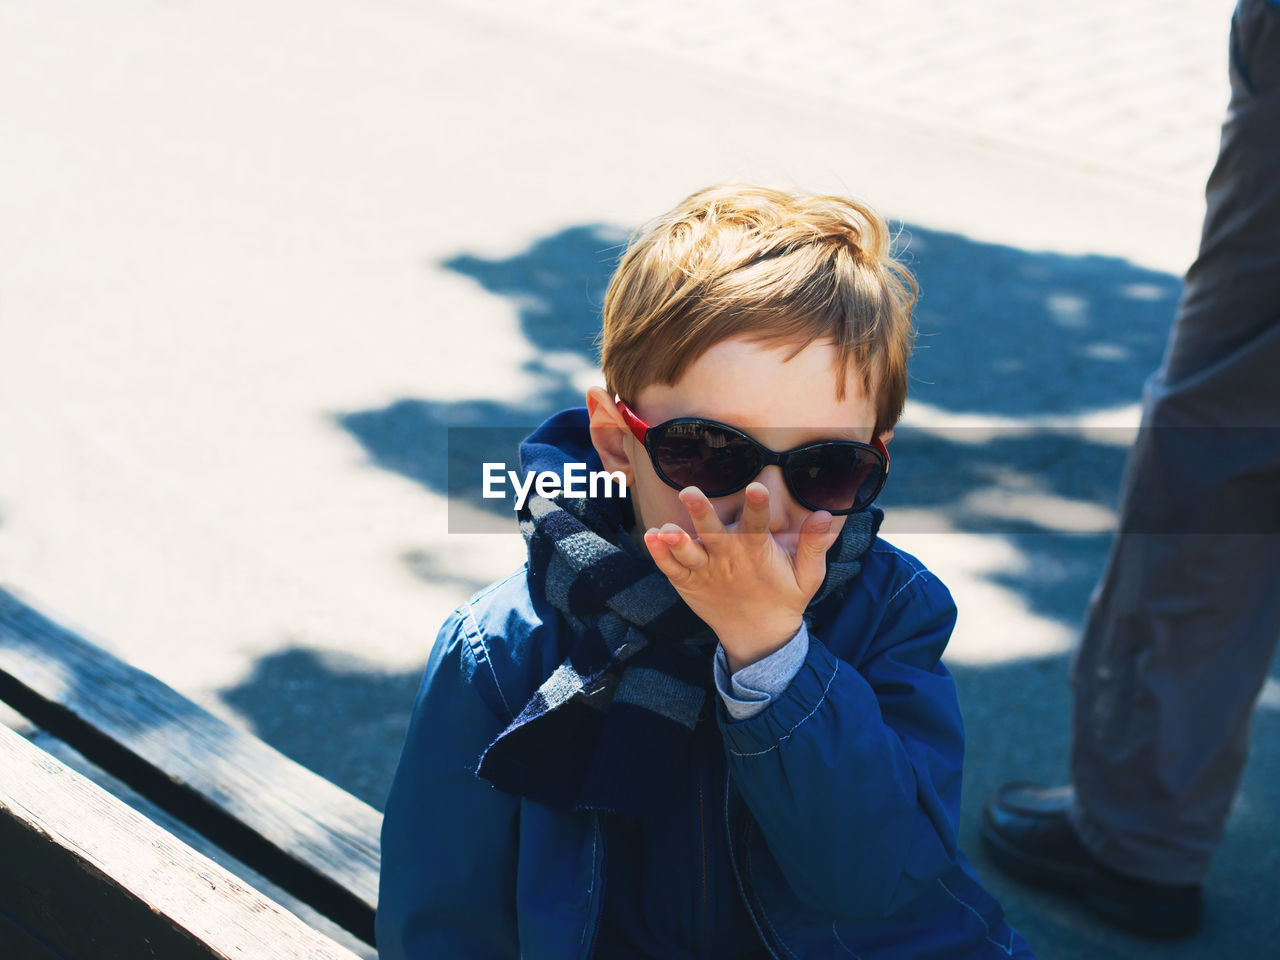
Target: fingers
(754, 519)
(705, 521)
(683, 547)
(674, 552)
(816, 537)
(755, 510)
(662, 557)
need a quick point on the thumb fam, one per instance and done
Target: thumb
(816, 538)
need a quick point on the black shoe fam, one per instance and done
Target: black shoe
(1027, 833)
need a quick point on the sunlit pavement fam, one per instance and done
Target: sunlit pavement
(256, 259)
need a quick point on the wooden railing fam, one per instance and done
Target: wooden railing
(135, 824)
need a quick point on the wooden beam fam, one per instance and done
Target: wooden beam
(71, 758)
(286, 822)
(87, 876)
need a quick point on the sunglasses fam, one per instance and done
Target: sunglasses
(839, 476)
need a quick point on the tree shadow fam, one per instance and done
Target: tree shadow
(558, 285)
(296, 693)
(1001, 332)
(1012, 332)
(1016, 724)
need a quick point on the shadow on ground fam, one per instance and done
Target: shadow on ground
(1016, 722)
(1016, 726)
(1003, 332)
(296, 691)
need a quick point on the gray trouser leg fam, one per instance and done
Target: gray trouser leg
(1182, 627)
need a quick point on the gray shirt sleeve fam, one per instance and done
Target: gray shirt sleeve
(753, 687)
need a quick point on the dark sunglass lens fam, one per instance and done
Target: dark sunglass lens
(835, 476)
(707, 457)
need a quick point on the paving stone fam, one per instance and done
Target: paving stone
(1136, 87)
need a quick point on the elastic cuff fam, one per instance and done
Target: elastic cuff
(786, 713)
(749, 690)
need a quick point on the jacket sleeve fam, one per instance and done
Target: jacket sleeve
(449, 840)
(853, 774)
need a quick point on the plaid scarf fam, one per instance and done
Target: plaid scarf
(611, 728)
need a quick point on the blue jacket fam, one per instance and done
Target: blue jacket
(842, 797)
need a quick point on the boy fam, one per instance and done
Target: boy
(707, 719)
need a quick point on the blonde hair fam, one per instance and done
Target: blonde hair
(768, 266)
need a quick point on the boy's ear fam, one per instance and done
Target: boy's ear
(609, 433)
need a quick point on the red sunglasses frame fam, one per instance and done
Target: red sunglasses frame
(640, 431)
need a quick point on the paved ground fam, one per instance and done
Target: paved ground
(1131, 85)
(254, 260)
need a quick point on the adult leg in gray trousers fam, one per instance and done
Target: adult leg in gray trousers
(1183, 625)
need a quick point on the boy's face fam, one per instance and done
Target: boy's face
(782, 405)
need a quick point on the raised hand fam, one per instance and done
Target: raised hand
(738, 579)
